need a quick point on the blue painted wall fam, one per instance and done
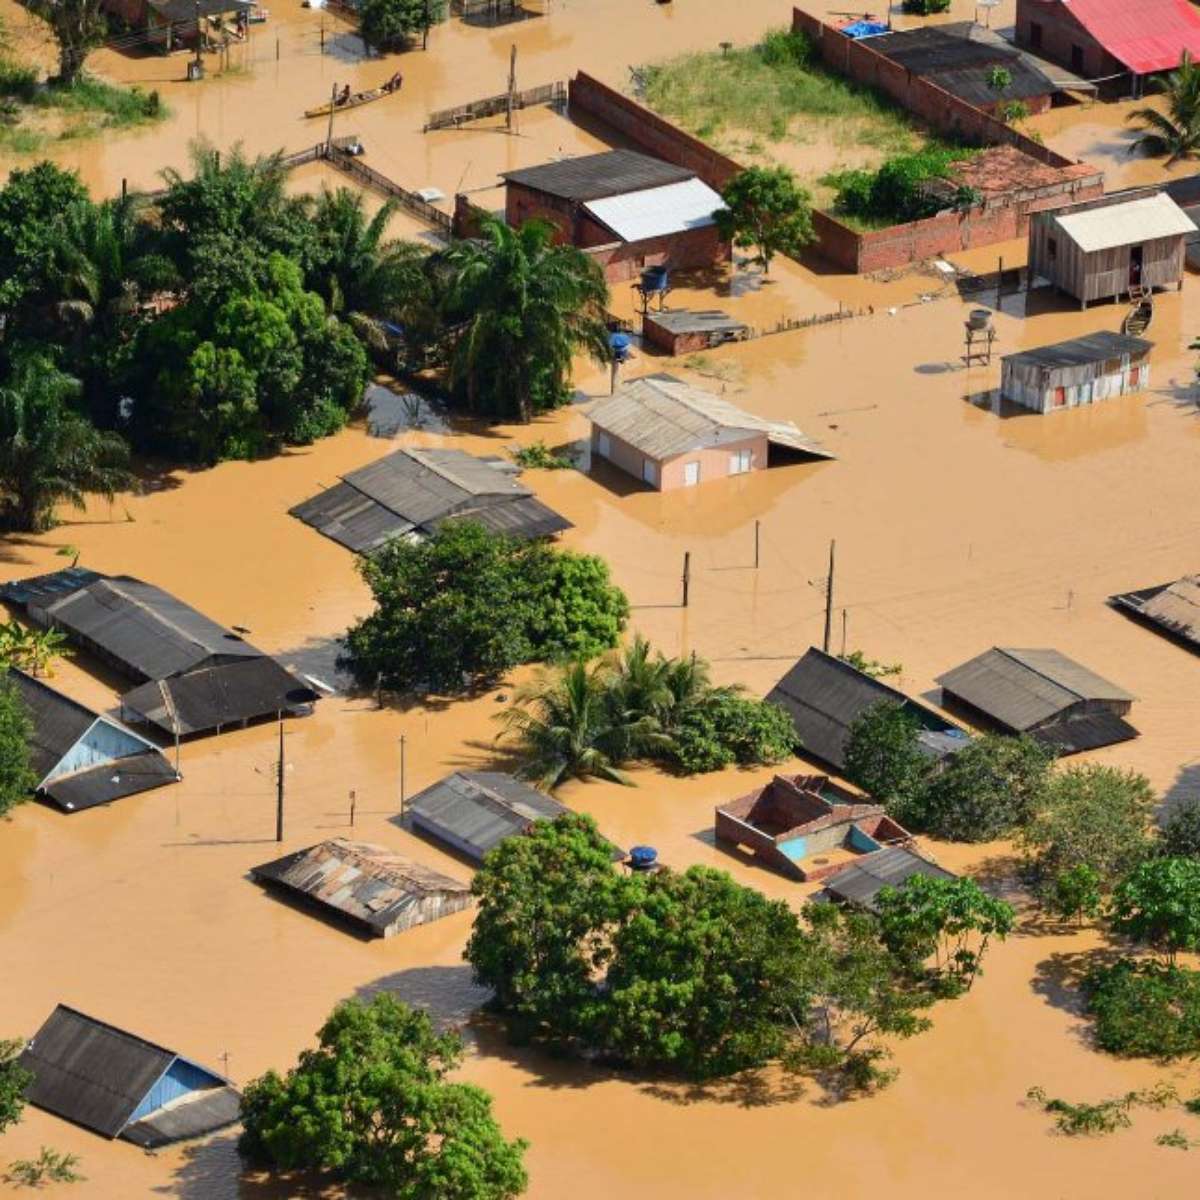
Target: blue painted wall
(100, 744)
(180, 1078)
(862, 841)
(795, 848)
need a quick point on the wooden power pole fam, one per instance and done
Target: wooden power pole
(279, 768)
(512, 87)
(829, 599)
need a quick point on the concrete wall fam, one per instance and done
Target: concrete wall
(1060, 34)
(669, 474)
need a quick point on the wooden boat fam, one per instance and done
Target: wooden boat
(1141, 313)
(356, 100)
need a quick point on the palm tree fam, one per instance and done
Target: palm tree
(523, 307)
(30, 649)
(1175, 134)
(360, 274)
(560, 722)
(639, 703)
(48, 452)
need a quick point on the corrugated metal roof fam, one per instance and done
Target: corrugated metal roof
(1126, 224)
(221, 695)
(862, 882)
(1173, 607)
(591, 176)
(363, 882)
(93, 1073)
(1088, 731)
(58, 721)
(657, 212)
(414, 489)
(201, 1114)
(479, 809)
(1145, 35)
(825, 696)
(662, 416)
(1082, 351)
(685, 320)
(1021, 689)
(111, 781)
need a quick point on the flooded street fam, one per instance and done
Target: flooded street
(957, 526)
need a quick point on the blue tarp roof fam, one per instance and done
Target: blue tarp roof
(862, 29)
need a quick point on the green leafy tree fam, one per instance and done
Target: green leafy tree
(1145, 1009)
(14, 1079)
(373, 1105)
(28, 648)
(1092, 814)
(707, 977)
(884, 757)
(1179, 834)
(1174, 134)
(78, 27)
(767, 210)
(548, 902)
(392, 24)
(987, 789)
(563, 727)
(1158, 903)
(1076, 892)
(726, 727)
(521, 306)
(49, 454)
(949, 920)
(465, 605)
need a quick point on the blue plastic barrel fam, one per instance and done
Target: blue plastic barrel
(620, 343)
(643, 857)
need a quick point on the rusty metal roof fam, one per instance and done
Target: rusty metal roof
(363, 882)
(663, 416)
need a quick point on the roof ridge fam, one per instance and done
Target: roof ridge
(1011, 652)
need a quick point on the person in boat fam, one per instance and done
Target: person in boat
(343, 96)
(393, 84)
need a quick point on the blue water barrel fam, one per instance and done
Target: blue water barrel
(620, 343)
(643, 857)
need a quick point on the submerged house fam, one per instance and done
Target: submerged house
(807, 826)
(1041, 693)
(628, 210)
(824, 696)
(1113, 246)
(82, 758)
(474, 811)
(683, 331)
(1171, 608)
(364, 885)
(669, 434)
(169, 24)
(411, 492)
(193, 674)
(860, 883)
(1097, 366)
(1118, 42)
(120, 1085)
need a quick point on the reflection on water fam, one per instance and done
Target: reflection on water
(390, 413)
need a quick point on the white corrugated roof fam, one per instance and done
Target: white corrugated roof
(1135, 221)
(657, 211)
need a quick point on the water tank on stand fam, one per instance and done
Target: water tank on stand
(621, 345)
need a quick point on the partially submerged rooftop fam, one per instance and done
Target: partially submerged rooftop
(596, 176)
(1082, 351)
(412, 491)
(663, 416)
(1119, 222)
(367, 885)
(860, 883)
(1172, 608)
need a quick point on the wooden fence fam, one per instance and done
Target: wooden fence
(553, 94)
(338, 158)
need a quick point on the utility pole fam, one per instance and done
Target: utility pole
(843, 633)
(329, 133)
(169, 706)
(352, 798)
(402, 740)
(198, 70)
(829, 600)
(512, 87)
(687, 575)
(279, 787)
(756, 545)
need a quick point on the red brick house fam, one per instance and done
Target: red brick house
(627, 210)
(1113, 42)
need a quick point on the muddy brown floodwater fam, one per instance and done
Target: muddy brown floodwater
(957, 526)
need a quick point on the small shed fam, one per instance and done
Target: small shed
(807, 826)
(684, 331)
(1171, 608)
(120, 1085)
(860, 883)
(365, 885)
(82, 758)
(825, 696)
(1124, 244)
(474, 811)
(670, 435)
(413, 491)
(1044, 694)
(1098, 366)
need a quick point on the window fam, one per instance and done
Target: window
(1035, 35)
(1135, 377)
(1052, 248)
(650, 472)
(604, 446)
(691, 474)
(1077, 59)
(740, 461)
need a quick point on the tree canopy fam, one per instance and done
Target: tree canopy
(17, 779)
(372, 1104)
(1158, 903)
(768, 211)
(77, 26)
(885, 759)
(463, 606)
(391, 24)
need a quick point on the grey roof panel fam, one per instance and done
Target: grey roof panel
(824, 696)
(862, 882)
(593, 176)
(210, 1110)
(58, 721)
(112, 781)
(1088, 731)
(1082, 351)
(683, 320)
(1173, 607)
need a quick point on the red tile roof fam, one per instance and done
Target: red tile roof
(1146, 35)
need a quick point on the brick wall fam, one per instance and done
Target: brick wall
(1060, 34)
(623, 261)
(649, 131)
(934, 105)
